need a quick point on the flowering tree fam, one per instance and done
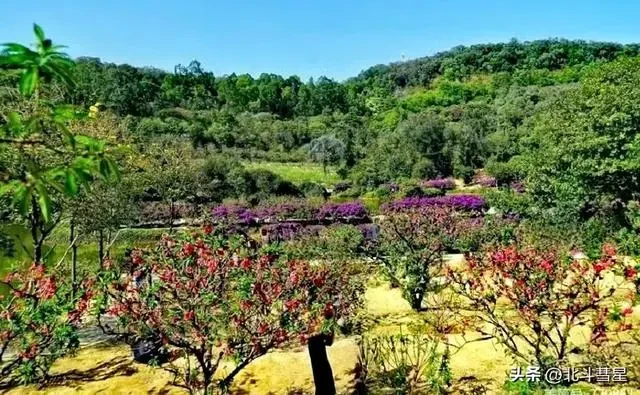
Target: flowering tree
(38, 323)
(203, 295)
(413, 242)
(532, 299)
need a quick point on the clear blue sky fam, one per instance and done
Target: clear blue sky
(307, 38)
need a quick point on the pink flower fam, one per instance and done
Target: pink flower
(46, 288)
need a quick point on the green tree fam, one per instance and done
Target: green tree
(326, 150)
(47, 161)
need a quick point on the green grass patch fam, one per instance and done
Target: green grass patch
(298, 173)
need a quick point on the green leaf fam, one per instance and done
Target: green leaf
(44, 201)
(39, 32)
(28, 81)
(22, 199)
(71, 183)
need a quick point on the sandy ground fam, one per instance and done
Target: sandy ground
(109, 369)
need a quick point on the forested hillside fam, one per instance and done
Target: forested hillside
(449, 114)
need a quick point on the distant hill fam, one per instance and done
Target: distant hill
(463, 61)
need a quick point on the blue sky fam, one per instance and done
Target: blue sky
(308, 38)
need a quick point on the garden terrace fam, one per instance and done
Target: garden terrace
(467, 203)
(301, 212)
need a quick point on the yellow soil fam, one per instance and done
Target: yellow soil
(110, 369)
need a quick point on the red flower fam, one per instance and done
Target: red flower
(292, 305)
(207, 229)
(318, 281)
(328, 310)
(627, 311)
(245, 264)
(46, 288)
(609, 250)
(630, 273)
(547, 266)
(294, 278)
(599, 267)
(263, 328)
(188, 249)
(136, 257)
(188, 315)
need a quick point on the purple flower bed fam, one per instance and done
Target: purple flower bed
(294, 209)
(287, 211)
(457, 202)
(342, 210)
(233, 213)
(440, 183)
(285, 231)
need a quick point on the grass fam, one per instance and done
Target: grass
(298, 173)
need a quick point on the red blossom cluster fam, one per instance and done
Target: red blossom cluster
(549, 292)
(205, 295)
(39, 321)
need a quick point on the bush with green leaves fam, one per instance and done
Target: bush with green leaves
(402, 364)
(332, 242)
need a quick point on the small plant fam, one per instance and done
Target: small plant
(402, 364)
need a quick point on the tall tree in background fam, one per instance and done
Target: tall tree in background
(326, 150)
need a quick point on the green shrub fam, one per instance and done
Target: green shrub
(333, 242)
(402, 364)
(311, 189)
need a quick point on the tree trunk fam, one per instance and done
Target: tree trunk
(171, 215)
(74, 256)
(322, 373)
(101, 247)
(35, 227)
(416, 299)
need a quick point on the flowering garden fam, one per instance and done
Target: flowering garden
(520, 280)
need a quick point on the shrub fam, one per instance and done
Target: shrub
(38, 322)
(547, 294)
(440, 183)
(203, 296)
(414, 191)
(481, 232)
(332, 242)
(402, 364)
(342, 186)
(312, 189)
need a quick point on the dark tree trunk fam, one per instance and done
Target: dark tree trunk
(101, 247)
(74, 255)
(322, 373)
